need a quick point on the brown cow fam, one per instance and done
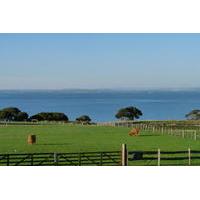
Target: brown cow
(134, 132)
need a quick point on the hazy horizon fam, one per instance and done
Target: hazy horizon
(103, 89)
(99, 61)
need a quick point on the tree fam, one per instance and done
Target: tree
(49, 116)
(83, 118)
(129, 113)
(13, 114)
(36, 117)
(6, 116)
(21, 116)
(193, 115)
(11, 110)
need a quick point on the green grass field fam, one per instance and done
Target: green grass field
(65, 138)
(74, 138)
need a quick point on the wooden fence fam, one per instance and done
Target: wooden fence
(170, 130)
(165, 158)
(10, 123)
(112, 158)
(184, 133)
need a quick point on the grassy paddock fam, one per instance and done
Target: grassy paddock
(74, 138)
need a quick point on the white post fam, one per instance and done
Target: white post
(195, 135)
(55, 158)
(158, 157)
(189, 157)
(183, 134)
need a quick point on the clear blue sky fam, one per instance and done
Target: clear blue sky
(59, 61)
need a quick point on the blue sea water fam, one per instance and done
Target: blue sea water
(102, 105)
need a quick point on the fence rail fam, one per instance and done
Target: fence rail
(58, 159)
(109, 158)
(165, 158)
(184, 132)
(192, 133)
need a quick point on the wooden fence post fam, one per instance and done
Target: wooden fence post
(79, 159)
(189, 157)
(124, 155)
(101, 159)
(158, 157)
(31, 156)
(8, 160)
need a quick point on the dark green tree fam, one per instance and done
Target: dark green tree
(13, 110)
(84, 118)
(6, 116)
(49, 116)
(193, 115)
(36, 117)
(13, 114)
(129, 113)
(21, 116)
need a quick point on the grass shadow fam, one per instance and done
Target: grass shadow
(149, 135)
(54, 144)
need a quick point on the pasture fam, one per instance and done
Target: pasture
(77, 138)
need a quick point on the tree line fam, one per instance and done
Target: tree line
(13, 114)
(127, 113)
(16, 115)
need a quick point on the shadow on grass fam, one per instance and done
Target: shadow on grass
(148, 135)
(54, 144)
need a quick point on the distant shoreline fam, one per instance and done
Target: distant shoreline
(106, 90)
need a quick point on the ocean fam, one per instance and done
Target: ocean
(102, 105)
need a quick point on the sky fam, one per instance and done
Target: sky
(99, 61)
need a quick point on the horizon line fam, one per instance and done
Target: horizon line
(112, 89)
